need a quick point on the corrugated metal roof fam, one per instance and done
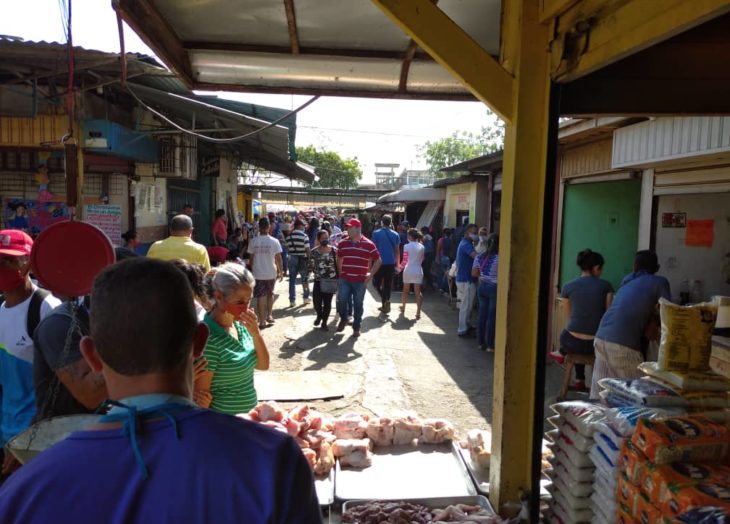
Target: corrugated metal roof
(344, 47)
(490, 160)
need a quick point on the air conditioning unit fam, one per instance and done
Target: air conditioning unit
(178, 156)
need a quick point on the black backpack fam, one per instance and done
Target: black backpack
(34, 309)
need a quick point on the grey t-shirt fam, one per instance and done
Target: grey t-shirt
(49, 356)
(587, 297)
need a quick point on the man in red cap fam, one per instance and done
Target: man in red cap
(23, 307)
(357, 261)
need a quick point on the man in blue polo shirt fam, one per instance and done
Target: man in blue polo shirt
(466, 285)
(618, 343)
(388, 243)
(156, 457)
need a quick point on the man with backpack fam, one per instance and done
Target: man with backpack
(24, 306)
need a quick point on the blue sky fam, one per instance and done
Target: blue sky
(371, 130)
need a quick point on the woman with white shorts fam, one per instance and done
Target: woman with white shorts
(414, 253)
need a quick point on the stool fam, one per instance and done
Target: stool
(570, 362)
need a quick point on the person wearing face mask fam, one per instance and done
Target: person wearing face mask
(22, 309)
(486, 268)
(465, 283)
(323, 263)
(235, 346)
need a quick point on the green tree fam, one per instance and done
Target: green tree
(461, 146)
(331, 168)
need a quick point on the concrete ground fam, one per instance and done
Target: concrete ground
(398, 364)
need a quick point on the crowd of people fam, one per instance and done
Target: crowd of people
(194, 361)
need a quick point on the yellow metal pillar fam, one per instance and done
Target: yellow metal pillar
(523, 190)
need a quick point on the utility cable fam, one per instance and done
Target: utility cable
(214, 139)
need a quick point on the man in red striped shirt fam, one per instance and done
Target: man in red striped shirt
(357, 261)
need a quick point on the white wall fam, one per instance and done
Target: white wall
(227, 186)
(679, 261)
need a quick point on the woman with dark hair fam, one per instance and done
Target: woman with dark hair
(585, 300)
(485, 268)
(196, 277)
(323, 263)
(129, 249)
(413, 270)
(313, 231)
(220, 228)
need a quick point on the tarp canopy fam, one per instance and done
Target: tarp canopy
(421, 194)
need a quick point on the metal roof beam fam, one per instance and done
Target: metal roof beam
(455, 50)
(291, 22)
(588, 41)
(146, 21)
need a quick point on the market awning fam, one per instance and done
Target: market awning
(421, 194)
(309, 46)
(268, 149)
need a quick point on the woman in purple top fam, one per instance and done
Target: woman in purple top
(585, 300)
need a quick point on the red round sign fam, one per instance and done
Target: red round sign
(67, 256)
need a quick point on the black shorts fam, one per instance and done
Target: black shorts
(570, 345)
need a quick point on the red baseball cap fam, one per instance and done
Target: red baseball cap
(15, 243)
(354, 222)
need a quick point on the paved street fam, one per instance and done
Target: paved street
(397, 364)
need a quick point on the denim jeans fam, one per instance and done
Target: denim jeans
(444, 266)
(354, 291)
(297, 266)
(487, 313)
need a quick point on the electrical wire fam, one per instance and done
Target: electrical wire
(214, 139)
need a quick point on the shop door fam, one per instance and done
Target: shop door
(604, 217)
(178, 197)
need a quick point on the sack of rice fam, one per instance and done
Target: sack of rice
(686, 341)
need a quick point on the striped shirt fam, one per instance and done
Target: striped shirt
(356, 257)
(232, 363)
(180, 248)
(488, 268)
(298, 242)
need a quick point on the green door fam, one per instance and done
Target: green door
(604, 217)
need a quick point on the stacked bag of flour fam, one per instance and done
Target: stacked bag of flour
(572, 469)
(672, 471)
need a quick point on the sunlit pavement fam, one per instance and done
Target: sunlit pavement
(397, 364)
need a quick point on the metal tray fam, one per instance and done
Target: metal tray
(433, 503)
(479, 475)
(407, 472)
(325, 488)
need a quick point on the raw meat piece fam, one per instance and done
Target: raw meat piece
(357, 459)
(269, 411)
(325, 460)
(293, 427)
(436, 431)
(300, 414)
(350, 427)
(407, 429)
(381, 431)
(302, 443)
(343, 447)
(316, 438)
(311, 457)
(315, 420)
(480, 447)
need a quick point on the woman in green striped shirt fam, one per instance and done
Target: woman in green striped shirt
(235, 345)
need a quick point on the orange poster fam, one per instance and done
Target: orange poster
(700, 233)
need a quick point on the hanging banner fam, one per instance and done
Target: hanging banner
(32, 216)
(106, 217)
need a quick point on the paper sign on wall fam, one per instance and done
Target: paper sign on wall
(700, 233)
(108, 218)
